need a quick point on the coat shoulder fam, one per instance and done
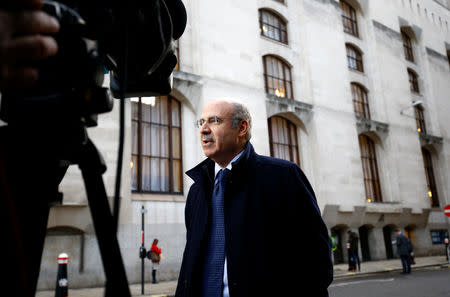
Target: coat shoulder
(270, 162)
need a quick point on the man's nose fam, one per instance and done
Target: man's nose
(204, 129)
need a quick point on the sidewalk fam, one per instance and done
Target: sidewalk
(167, 288)
(341, 270)
(161, 289)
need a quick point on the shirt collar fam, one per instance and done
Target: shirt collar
(217, 167)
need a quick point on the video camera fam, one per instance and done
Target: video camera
(132, 40)
(46, 131)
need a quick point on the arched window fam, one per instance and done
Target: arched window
(431, 182)
(354, 58)
(370, 169)
(413, 81)
(360, 101)
(407, 47)
(420, 119)
(156, 145)
(283, 139)
(272, 26)
(277, 75)
(349, 19)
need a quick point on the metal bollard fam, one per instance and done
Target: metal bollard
(62, 285)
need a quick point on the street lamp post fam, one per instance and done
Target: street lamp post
(142, 251)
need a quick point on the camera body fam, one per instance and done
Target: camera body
(133, 41)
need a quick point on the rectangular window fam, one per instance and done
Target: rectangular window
(156, 145)
(413, 81)
(407, 47)
(370, 169)
(420, 120)
(438, 236)
(349, 19)
(429, 174)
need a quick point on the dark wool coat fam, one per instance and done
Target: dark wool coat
(268, 202)
(403, 245)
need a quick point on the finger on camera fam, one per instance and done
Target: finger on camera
(18, 78)
(30, 48)
(35, 22)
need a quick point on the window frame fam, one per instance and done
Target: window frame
(407, 47)
(292, 144)
(360, 100)
(441, 233)
(420, 119)
(413, 81)
(282, 32)
(371, 173)
(357, 59)
(430, 177)
(140, 156)
(349, 19)
(285, 82)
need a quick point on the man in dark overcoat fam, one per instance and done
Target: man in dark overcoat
(275, 241)
(404, 249)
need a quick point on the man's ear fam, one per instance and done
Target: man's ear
(243, 128)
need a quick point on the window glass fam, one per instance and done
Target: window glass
(272, 26)
(156, 145)
(360, 101)
(370, 169)
(438, 236)
(354, 58)
(283, 139)
(349, 19)
(277, 77)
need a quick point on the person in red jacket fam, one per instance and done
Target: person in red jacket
(155, 253)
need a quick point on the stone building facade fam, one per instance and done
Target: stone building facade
(356, 92)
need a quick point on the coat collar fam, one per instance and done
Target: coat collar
(205, 170)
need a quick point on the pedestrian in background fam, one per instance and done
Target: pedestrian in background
(155, 257)
(354, 241)
(351, 260)
(404, 249)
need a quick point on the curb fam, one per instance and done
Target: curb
(388, 270)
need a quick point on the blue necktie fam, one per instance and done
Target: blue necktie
(215, 254)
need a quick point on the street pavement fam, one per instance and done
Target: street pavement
(427, 282)
(368, 270)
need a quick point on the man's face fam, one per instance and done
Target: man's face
(220, 142)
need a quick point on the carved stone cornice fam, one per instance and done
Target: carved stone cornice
(430, 140)
(367, 125)
(294, 110)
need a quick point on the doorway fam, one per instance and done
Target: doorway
(364, 241)
(387, 234)
(337, 234)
